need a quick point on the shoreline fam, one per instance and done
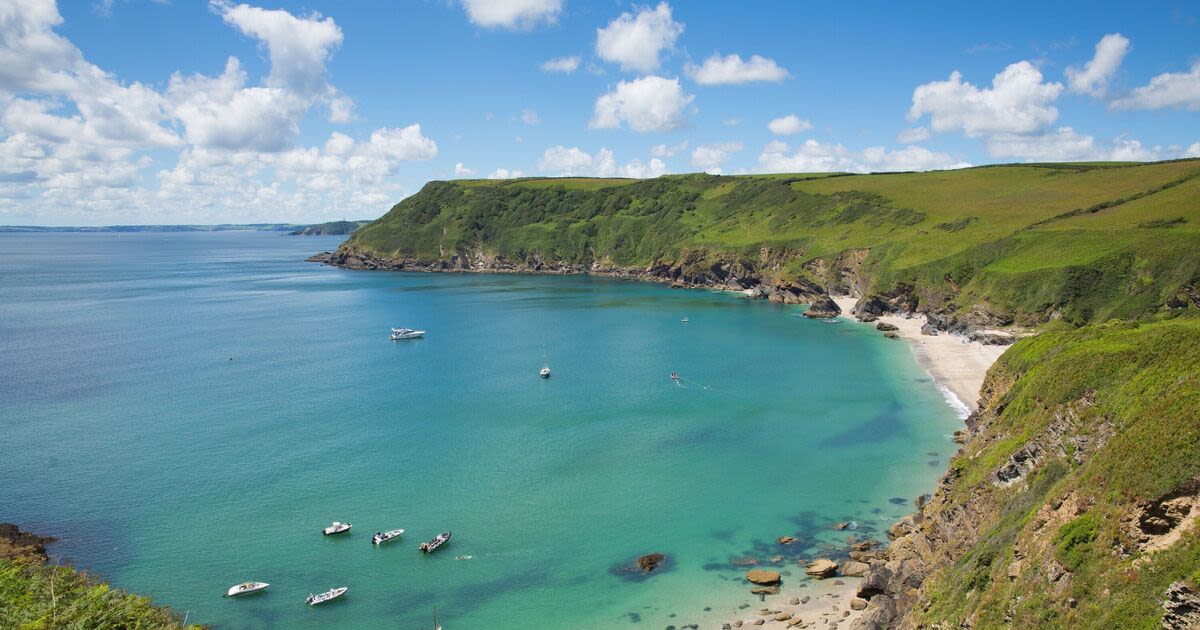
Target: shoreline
(956, 364)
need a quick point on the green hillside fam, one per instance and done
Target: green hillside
(1075, 502)
(1027, 243)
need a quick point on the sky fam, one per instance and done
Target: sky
(195, 111)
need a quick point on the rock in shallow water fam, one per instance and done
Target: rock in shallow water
(821, 568)
(765, 578)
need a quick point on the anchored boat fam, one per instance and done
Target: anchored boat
(245, 588)
(545, 372)
(380, 538)
(405, 333)
(435, 543)
(336, 528)
(321, 598)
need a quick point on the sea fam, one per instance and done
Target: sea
(187, 411)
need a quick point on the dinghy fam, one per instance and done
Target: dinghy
(321, 598)
(435, 543)
(336, 528)
(380, 538)
(245, 588)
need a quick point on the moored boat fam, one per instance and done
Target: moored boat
(321, 598)
(545, 372)
(435, 543)
(245, 588)
(381, 537)
(337, 527)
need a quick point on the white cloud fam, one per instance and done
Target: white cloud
(512, 14)
(788, 125)
(1094, 77)
(1066, 145)
(731, 122)
(565, 65)
(635, 42)
(1170, 89)
(563, 161)
(1017, 102)
(664, 150)
(1192, 150)
(575, 162)
(530, 117)
(462, 171)
(718, 70)
(81, 143)
(504, 173)
(711, 157)
(297, 47)
(647, 104)
(818, 157)
(913, 135)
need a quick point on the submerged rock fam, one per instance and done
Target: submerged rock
(643, 566)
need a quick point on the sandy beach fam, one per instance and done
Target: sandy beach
(955, 364)
(817, 603)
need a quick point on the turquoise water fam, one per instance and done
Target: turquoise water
(173, 471)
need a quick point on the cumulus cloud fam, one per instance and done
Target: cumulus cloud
(504, 173)
(788, 125)
(665, 150)
(913, 135)
(711, 157)
(1095, 75)
(647, 104)
(819, 157)
(1170, 89)
(1017, 102)
(79, 140)
(512, 14)
(565, 65)
(575, 162)
(1193, 150)
(462, 171)
(636, 41)
(1066, 145)
(718, 70)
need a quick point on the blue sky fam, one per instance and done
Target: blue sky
(132, 110)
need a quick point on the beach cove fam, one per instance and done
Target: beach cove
(781, 426)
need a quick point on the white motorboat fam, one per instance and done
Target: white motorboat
(380, 538)
(336, 528)
(684, 320)
(545, 372)
(405, 333)
(321, 598)
(245, 588)
(435, 543)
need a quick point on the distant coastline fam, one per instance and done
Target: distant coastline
(305, 229)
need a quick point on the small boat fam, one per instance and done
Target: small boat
(336, 528)
(321, 598)
(435, 543)
(545, 372)
(684, 320)
(245, 588)
(675, 376)
(405, 333)
(380, 538)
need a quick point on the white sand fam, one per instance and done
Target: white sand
(826, 601)
(955, 364)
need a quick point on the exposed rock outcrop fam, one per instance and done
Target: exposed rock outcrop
(1181, 607)
(821, 568)
(15, 543)
(823, 307)
(763, 577)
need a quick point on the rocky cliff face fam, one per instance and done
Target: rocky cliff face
(16, 544)
(762, 276)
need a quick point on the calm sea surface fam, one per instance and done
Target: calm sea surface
(166, 467)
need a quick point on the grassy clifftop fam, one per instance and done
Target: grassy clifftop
(1030, 243)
